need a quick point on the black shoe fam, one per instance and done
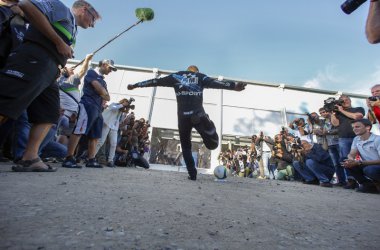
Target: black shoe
(70, 162)
(326, 184)
(313, 182)
(367, 188)
(92, 163)
(192, 178)
(351, 184)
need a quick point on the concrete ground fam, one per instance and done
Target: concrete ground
(129, 208)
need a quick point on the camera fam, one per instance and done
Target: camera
(329, 104)
(312, 118)
(350, 6)
(373, 98)
(296, 144)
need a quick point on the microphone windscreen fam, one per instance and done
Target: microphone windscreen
(144, 14)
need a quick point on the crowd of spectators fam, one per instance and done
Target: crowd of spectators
(332, 148)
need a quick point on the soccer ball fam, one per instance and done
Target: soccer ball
(220, 172)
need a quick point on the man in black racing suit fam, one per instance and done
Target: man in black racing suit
(188, 86)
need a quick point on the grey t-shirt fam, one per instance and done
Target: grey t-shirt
(369, 149)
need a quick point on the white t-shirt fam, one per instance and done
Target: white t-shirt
(69, 85)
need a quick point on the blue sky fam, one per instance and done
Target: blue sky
(296, 42)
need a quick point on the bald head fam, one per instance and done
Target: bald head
(193, 68)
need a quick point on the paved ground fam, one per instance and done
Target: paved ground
(128, 208)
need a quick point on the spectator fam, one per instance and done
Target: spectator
(372, 28)
(373, 104)
(25, 84)
(366, 145)
(264, 153)
(189, 86)
(331, 135)
(111, 120)
(90, 120)
(342, 118)
(69, 96)
(301, 128)
(318, 167)
(316, 125)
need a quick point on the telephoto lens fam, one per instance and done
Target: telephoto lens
(350, 6)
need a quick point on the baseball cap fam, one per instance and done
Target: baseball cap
(110, 63)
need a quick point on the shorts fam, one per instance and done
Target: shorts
(89, 122)
(28, 82)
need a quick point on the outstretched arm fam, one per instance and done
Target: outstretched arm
(372, 27)
(224, 84)
(85, 65)
(167, 81)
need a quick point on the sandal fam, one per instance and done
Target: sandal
(26, 166)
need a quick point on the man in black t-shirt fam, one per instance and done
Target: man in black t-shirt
(342, 119)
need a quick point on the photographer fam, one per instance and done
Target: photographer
(111, 121)
(366, 171)
(373, 104)
(316, 125)
(302, 130)
(263, 154)
(318, 167)
(342, 118)
(372, 28)
(330, 133)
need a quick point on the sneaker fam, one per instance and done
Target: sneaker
(367, 188)
(70, 162)
(110, 164)
(92, 163)
(326, 184)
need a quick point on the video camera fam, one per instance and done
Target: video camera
(373, 98)
(350, 6)
(329, 104)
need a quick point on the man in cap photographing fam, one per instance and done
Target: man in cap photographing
(90, 120)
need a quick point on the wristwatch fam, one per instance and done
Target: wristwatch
(360, 163)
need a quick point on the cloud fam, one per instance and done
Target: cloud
(366, 84)
(324, 78)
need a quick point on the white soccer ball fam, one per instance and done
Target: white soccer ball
(220, 172)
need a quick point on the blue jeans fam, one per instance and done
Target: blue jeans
(361, 174)
(22, 129)
(344, 150)
(314, 170)
(334, 155)
(50, 148)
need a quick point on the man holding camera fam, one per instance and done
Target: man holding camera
(90, 120)
(330, 134)
(373, 104)
(318, 167)
(366, 171)
(301, 128)
(111, 121)
(188, 86)
(342, 117)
